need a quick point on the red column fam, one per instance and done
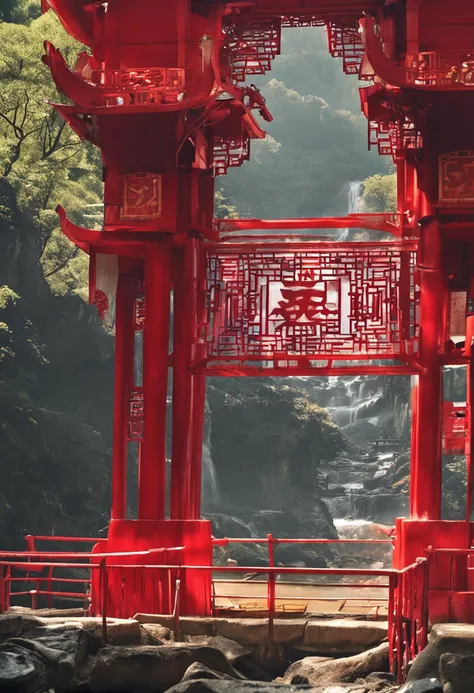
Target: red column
(124, 351)
(152, 471)
(426, 469)
(199, 395)
(469, 444)
(184, 318)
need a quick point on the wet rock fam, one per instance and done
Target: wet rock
(199, 671)
(69, 638)
(210, 686)
(344, 636)
(455, 638)
(10, 625)
(313, 670)
(248, 631)
(431, 685)
(16, 669)
(151, 668)
(457, 673)
(232, 650)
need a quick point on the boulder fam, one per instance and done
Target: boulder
(232, 650)
(317, 670)
(246, 631)
(422, 686)
(200, 671)
(69, 638)
(16, 669)
(457, 673)
(455, 638)
(343, 636)
(151, 668)
(10, 625)
(158, 632)
(215, 686)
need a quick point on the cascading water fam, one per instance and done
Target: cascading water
(210, 488)
(353, 205)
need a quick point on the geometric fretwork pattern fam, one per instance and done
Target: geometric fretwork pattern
(328, 300)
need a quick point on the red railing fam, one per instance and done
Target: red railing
(405, 592)
(440, 68)
(408, 615)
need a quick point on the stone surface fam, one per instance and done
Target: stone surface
(199, 671)
(16, 668)
(70, 638)
(317, 670)
(430, 685)
(151, 668)
(455, 638)
(249, 631)
(344, 636)
(234, 651)
(159, 632)
(10, 625)
(457, 673)
(289, 630)
(214, 686)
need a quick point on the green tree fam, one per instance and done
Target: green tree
(44, 161)
(380, 193)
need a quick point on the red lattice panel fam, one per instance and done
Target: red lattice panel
(298, 22)
(392, 138)
(331, 300)
(136, 412)
(252, 48)
(139, 313)
(344, 42)
(230, 153)
(454, 428)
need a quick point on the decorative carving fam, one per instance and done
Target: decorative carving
(136, 414)
(141, 196)
(139, 313)
(329, 300)
(454, 428)
(456, 177)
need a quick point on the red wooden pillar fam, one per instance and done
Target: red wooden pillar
(184, 319)
(152, 470)
(426, 468)
(199, 394)
(124, 352)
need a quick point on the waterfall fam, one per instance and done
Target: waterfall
(210, 488)
(353, 205)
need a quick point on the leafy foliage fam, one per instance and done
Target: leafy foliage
(39, 154)
(380, 193)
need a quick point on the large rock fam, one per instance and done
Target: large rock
(16, 669)
(422, 686)
(232, 650)
(455, 638)
(151, 668)
(10, 625)
(457, 673)
(317, 670)
(343, 636)
(199, 671)
(213, 686)
(69, 638)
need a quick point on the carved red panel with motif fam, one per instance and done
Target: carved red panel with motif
(456, 177)
(141, 196)
(327, 300)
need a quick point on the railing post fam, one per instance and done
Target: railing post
(271, 587)
(103, 585)
(50, 585)
(392, 586)
(176, 609)
(2, 589)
